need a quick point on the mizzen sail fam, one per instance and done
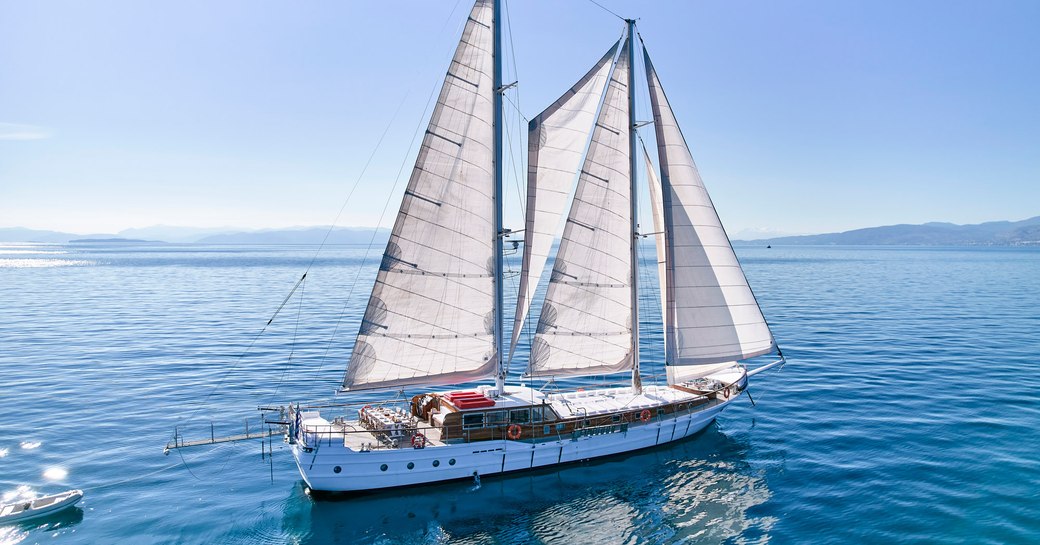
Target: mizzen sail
(430, 318)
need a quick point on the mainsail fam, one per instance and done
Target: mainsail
(711, 315)
(430, 318)
(557, 139)
(585, 324)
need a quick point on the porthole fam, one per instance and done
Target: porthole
(411, 465)
(383, 467)
(451, 462)
(337, 469)
(436, 463)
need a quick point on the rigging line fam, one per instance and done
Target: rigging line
(327, 233)
(382, 215)
(651, 303)
(248, 348)
(286, 300)
(357, 182)
(132, 479)
(292, 349)
(604, 8)
(183, 461)
(516, 107)
(371, 157)
(397, 180)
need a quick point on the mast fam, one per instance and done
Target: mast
(500, 376)
(637, 383)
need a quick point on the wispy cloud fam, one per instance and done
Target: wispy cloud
(17, 131)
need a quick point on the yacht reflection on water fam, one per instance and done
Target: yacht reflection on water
(699, 489)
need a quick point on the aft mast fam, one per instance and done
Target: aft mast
(637, 383)
(500, 376)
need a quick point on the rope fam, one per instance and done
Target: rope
(132, 479)
(382, 215)
(292, 345)
(356, 182)
(604, 8)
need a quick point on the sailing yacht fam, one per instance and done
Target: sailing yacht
(435, 316)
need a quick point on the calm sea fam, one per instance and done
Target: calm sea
(909, 411)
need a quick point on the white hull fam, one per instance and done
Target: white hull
(39, 507)
(362, 470)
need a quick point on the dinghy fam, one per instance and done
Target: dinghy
(39, 507)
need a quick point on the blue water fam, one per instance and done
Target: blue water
(909, 411)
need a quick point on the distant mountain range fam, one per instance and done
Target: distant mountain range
(993, 233)
(301, 235)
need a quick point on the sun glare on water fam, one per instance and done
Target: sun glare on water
(55, 473)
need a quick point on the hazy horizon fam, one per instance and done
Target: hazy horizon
(175, 232)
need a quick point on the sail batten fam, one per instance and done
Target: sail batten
(557, 139)
(585, 324)
(710, 314)
(429, 319)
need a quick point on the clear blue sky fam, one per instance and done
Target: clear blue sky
(804, 116)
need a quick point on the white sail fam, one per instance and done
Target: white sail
(677, 374)
(430, 317)
(711, 314)
(585, 324)
(557, 139)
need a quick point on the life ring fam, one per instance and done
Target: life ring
(513, 432)
(725, 393)
(644, 415)
(418, 440)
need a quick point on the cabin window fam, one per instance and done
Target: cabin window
(472, 421)
(383, 467)
(616, 418)
(337, 469)
(544, 414)
(451, 462)
(411, 465)
(545, 430)
(660, 412)
(436, 463)
(538, 414)
(496, 417)
(519, 416)
(560, 426)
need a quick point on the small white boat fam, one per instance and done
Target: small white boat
(39, 507)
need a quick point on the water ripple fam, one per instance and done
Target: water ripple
(908, 411)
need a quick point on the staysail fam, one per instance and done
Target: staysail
(430, 318)
(557, 139)
(585, 324)
(711, 315)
